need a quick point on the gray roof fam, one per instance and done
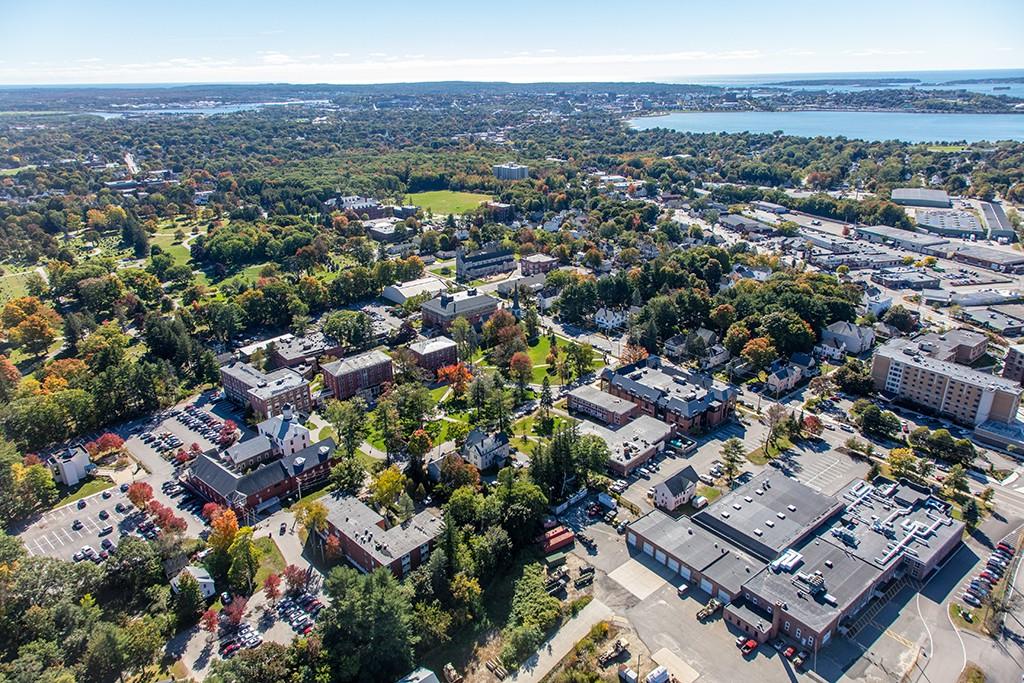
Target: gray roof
(681, 480)
(907, 351)
(918, 194)
(604, 400)
(279, 427)
(768, 514)
(364, 526)
(995, 217)
(483, 443)
(277, 382)
(227, 483)
(669, 386)
(356, 363)
(460, 303)
(309, 346)
(248, 449)
(744, 223)
(901, 235)
(428, 346)
(486, 254)
(949, 220)
(244, 372)
(996, 256)
(721, 561)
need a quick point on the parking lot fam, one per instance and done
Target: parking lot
(55, 535)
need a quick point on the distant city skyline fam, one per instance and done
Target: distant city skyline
(56, 42)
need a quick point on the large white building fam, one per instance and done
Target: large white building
(511, 171)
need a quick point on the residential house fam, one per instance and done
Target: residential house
(207, 587)
(857, 338)
(677, 490)
(611, 318)
(832, 349)
(485, 450)
(714, 356)
(783, 376)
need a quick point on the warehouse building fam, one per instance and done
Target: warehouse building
(916, 196)
(902, 239)
(951, 223)
(993, 259)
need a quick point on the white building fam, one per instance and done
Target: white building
(483, 450)
(206, 585)
(676, 490)
(284, 432)
(857, 339)
(611, 318)
(71, 466)
(401, 292)
(511, 171)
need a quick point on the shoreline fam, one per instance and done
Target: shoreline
(669, 112)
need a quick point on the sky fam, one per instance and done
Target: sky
(384, 41)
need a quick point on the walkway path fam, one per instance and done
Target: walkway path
(558, 646)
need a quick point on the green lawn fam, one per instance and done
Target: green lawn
(176, 250)
(16, 171)
(444, 202)
(88, 488)
(271, 560)
(12, 285)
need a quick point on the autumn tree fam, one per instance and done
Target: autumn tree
(312, 516)
(244, 560)
(296, 578)
(388, 486)
(456, 376)
(235, 612)
(272, 587)
(759, 353)
(633, 353)
(223, 528)
(812, 425)
(140, 493)
(521, 369)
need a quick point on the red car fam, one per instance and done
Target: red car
(789, 652)
(749, 646)
(1006, 547)
(306, 629)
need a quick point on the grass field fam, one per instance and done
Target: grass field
(12, 285)
(15, 171)
(948, 148)
(444, 202)
(88, 488)
(271, 560)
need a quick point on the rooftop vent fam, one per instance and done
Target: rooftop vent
(780, 515)
(769, 523)
(725, 513)
(791, 508)
(758, 532)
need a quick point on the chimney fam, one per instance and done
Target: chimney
(776, 619)
(286, 411)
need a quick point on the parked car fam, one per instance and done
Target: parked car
(789, 652)
(971, 600)
(77, 524)
(749, 646)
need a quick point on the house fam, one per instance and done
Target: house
(714, 356)
(401, 292)
(675, 346)
(421, 675)
(435, 353)
(832, 349)
(285, 433)
(611, 318)
(206, 585)
(783, 376)
(490, 260)
(483, 450)
(805, 362)
(676, 490)
(363, 374)
(471, 305)
(876, 302)
(857, 338)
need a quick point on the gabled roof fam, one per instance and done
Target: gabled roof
(681, 480)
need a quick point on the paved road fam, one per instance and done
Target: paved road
(559, 645)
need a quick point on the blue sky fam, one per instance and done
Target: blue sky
(301, 41)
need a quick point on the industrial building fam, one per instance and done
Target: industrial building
(902, 239)
(916, 196)
(951, 223)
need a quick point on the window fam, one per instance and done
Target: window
(787, 627)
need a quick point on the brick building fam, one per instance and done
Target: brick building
(363, 374)
(442, 311)
(435, 353)
(537, 263)
(367, 542)
(602, 406)
(265, 393)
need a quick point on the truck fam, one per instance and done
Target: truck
(606, 500)
(714, 604)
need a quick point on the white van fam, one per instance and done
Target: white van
(698, 502)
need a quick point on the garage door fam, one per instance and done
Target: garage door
(648, 548)
(705, 586)
(723, 596)
(673, 564)
(660, 556)
(684, 571)
(631, 538)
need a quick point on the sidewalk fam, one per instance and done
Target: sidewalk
(552, 651)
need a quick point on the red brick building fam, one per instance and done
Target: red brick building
(474, 307)
(363, 374)
(435, 353)
(367, 542)
(537, 263)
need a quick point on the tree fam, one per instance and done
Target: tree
(774, 416)
(821, 386)
(140, 493)
(296, 578)
(367, 614)
(188, 603)
(521, 368)
(311, 516)
(581, 358)
(272, 587)
(349, 421)
(465, 339)
(812, 425)
(956, 480)
(235, 612)
(223, 529)
(244, 557)
(209, 621)
(419, 445)
(733, 455)
(759, 353)
(456, 376)
(348, 475)
(387, 486)
(633, 353)
(902, 463)
(546, 401)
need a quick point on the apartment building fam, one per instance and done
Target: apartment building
(491, 260)
(1013, 364)
(537, 263)
(363, 374)
(924, 374)
(510, 171)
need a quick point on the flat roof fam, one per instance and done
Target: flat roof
(604, 400)
(362, 525)
(723, 562)
(768, 514)
(949, 219)
(356, 363)
(276, 382)
(825, 582)
(631, 439)
(908, 351)
(908, 194)
(998, 256)
(906, 236)
(428, 346)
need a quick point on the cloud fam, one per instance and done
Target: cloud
(882, 52)
(547, 51)
(277, 58)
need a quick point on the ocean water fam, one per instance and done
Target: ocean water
(926, 80)
(907, 127)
